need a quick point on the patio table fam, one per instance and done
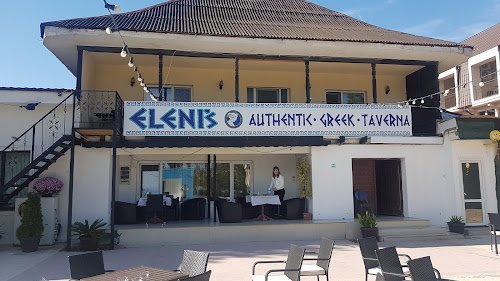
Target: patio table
(167, 201)
(263, 200)
(155, 274)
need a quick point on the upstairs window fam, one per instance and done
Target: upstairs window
(267, 95)
(173, 93)
(344, 97)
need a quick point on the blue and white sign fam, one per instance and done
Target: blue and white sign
(143, 118)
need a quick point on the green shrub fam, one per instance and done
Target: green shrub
(367, 220)
(95, 230)
(31, 218)
(456, 219)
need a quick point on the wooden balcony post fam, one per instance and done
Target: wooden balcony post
(237, 80)
(160, 78)
(308, 83)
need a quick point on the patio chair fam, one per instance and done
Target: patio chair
(368, 246)
(421, 269)
(494, 230)
(291, 272)
(86, 265)
(228, 212)
(194, 263)
(154, 206)
(322, 261)
(390, 266)
(201, 277)
(193, 209)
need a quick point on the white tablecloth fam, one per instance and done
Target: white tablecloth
(167, 201)
(257, 200)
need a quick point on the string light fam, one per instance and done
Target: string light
(422, 101)
(414, 102)
(125, 51)
(481, 84)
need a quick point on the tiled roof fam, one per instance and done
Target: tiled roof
(485, 40)
(274, 19)
(27, 89)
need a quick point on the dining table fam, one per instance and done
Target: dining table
(262, 200)
(134, 273)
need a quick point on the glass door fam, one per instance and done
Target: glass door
(234, 179)
(474, 209)
(150, 179)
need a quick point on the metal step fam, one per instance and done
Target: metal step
(446, 236)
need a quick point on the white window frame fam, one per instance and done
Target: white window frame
(268, 88)
(342, 92)
(173, 87)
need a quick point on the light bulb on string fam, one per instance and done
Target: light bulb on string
(422, 101)
(143, 83)
(414, 102)
(145, 88)
(131, 62)
(446, 92)
(139, 77)
(108, 30)
(481, 84)
(123, 53)
(135, 68)
(153, 97)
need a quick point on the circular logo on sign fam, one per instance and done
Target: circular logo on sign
(233, 119)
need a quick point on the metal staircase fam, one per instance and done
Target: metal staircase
(94, 113)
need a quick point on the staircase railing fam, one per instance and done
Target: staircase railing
(94, 110)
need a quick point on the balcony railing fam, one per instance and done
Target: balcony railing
(99, 110)
(486, 89)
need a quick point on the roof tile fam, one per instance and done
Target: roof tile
(275, 19)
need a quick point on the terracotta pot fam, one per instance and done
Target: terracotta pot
(307, 216)
(29, 244)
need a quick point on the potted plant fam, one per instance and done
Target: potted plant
(456, 224)
(89, 235)
(303, 166)
(31, 228)
(368, 222)
(47, 186)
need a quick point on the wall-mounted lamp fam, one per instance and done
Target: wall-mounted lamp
(30, 106)
(221, 84)
(387, 89)
(132, 82)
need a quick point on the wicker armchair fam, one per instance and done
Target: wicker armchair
(368, 246)
(322, 261)
(421, 269)
(193, 209)
(194, 263)
(228, 212)
(494, 230)
(86, 265)
(291, 272)
(391, 267)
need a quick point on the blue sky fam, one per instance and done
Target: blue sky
(27, 63)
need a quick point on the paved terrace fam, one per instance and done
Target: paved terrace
(466, 259)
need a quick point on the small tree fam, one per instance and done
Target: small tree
(303, 165)
(31, 218)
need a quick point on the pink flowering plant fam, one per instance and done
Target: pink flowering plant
(48, 186)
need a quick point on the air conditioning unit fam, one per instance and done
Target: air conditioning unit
(50, 222)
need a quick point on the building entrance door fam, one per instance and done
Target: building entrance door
(473, 199)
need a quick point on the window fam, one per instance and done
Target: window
(340, 97)
(267, 95)
(173, 93)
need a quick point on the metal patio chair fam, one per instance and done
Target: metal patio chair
(201, 277)
(86, 265)
(368, 246)
(322, 261)
(390, 266)
(421, 269)
(291, 272)
(494, 230)
(194, 263)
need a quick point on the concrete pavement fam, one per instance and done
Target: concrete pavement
(464, 259)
